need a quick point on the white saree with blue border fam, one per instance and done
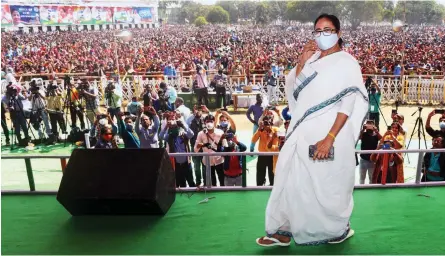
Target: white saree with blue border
(311, 201)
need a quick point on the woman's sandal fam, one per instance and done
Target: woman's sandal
(350, 233)
(275, 241)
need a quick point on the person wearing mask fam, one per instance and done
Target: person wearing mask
(146, 129)
(220, 81)
(374, 103)
(134, 106)
(113, 96)
(197, 124)
(271, 81)
(106, 139)
(185, 111)
(225, 122)
(177, 135)
(200, 86)
(233, 168)
(170, 93)
(434, 163)
(102, 120)
(387, 165)
(209, 140)
(370, 138)
(257, 111)
(432, 132)
(264, 134)
(127, 131)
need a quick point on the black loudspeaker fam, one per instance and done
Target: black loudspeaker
(118, 182)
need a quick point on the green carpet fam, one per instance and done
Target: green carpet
(386, 221)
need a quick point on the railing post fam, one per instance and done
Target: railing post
(419, 167)
(208, 171)
(63, 164)
(32, 186)
(244, 174)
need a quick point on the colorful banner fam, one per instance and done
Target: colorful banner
(102, 15)
(25, 15)
(82, 15)
(142, 15)
(122, 15)
(6, 16)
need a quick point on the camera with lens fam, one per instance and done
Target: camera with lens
(11, 90)
(109, 89)
(34, 87)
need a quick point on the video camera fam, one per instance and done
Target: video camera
(34, 87)
(109, 89)
(11, 90)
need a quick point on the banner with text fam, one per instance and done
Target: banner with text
(143, 15)
(25, 15)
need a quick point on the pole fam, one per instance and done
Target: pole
(32, 185)
(244, 174)
(116, 57)
(403, 46)
(419, 166)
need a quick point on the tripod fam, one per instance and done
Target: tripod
(419, 127)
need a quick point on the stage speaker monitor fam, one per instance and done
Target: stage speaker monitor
(118, 182)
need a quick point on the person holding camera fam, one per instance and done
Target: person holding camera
(370, 138)
(270, 113)
(210, 140)
(197, 124)
(225, 122)
(162, 104)
(127, 131)
(264, 134)
(54, 107)
(76, 109)
(13, 99)
(169, 93)
(233, 167)
(387, 166)
(149, 96)
(220, 81)
(200, 86)
(106, 139)
(146, 129)
(177, 135)
(113, 97)
(434, 163)
(38, 110)
(271, 82)
(102, 120)
(375, 94)
(432, 132)
(90, 93)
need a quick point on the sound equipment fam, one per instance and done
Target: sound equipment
(118, 182)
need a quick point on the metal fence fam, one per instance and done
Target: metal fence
(63, 159)
(423, 90)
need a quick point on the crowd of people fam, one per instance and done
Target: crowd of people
(242, 50)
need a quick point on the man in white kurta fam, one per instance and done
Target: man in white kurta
(311, 201)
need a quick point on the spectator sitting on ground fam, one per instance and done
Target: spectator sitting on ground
(225, 122)
(435, 133)
(147, 130)
(233, 168)
(127, 131)
(434, 163)
(106, 140)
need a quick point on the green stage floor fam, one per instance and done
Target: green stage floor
(386, 221)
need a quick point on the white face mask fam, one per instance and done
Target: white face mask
(103, 121)
(326, 42)
(442, 125)
(209, 126)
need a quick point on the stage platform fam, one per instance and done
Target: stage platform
(386, 221)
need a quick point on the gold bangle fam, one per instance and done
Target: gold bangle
(332, 135)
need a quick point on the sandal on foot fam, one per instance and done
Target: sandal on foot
(351, 232)
(275, 241)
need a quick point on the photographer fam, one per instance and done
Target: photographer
(210, 140)
(220, 80)
(55, 109)
(270, 113)
(38, 110)
(389, 165)
(90, 93)
(161, 104)
(13, 100)
(374, 101)
(177, 135)
(113, 96)
(225, 122)
(370, 138)
(200, 86)
(271, 81)
(76, 109)
(197, 124)
(432, 132)
(149, 96)
(264, 134)
(169, 93)
(146, 129)
(233, 168)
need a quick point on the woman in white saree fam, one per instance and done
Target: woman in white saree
(311, 200)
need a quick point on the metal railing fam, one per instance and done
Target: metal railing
(421, 152)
